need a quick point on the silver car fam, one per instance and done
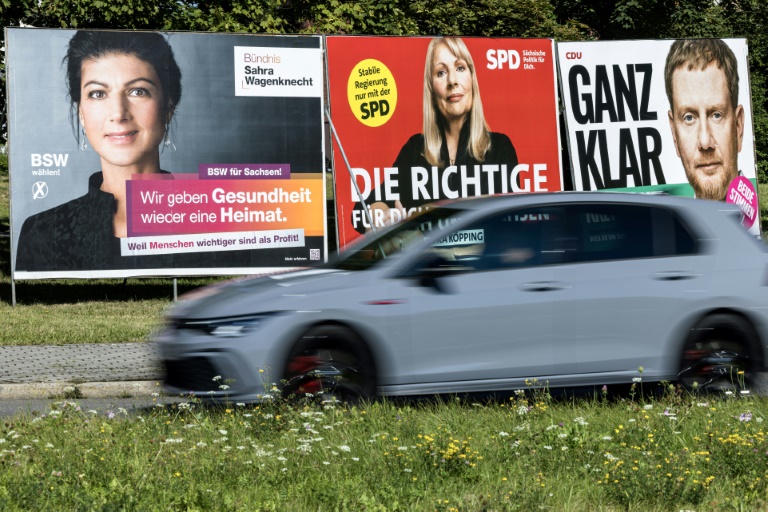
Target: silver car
(492, 294)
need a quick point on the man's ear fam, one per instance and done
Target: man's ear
(671, 117)
(740, 124)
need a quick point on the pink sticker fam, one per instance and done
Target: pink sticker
(743, 194)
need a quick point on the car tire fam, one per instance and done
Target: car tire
(717, 356)
(330, 363)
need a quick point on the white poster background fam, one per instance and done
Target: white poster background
(633, 59)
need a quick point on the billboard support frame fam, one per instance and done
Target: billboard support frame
(349, 170)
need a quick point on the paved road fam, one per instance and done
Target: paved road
(97, 370)
(113, 370)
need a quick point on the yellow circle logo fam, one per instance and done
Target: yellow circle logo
(372, 92)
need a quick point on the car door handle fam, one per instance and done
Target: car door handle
(675, 275)
(542, 286)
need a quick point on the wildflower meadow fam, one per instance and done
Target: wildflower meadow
(674, 451)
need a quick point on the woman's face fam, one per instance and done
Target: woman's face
(451, 83)
(122, 109)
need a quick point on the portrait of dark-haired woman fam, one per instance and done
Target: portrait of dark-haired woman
(124, 89)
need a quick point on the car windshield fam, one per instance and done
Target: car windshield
(376, 247)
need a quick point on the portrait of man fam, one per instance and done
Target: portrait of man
(707, 122)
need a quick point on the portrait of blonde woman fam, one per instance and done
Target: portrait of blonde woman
(457, 154)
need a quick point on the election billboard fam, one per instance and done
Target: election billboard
(661, 116)
(421, 119)
(139, 153)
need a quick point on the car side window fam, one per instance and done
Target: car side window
(514, 239)
(610, 231)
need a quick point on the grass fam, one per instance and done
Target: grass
(676, 452)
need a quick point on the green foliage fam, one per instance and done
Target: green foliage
(674, 452)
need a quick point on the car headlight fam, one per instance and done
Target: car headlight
(230, 327)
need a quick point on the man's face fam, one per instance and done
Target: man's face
(707, 130)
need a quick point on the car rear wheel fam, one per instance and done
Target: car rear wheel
(717, 356)
(332, 364)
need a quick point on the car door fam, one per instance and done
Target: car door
(632, 272)
(481, 313)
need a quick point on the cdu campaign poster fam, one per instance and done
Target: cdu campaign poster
(662, 116)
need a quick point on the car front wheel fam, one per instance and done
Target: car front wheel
(332, 364)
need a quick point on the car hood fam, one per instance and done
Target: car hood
(266, 293)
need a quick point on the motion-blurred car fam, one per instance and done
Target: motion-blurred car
(491, 294)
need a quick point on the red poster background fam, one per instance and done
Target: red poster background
(520, 102)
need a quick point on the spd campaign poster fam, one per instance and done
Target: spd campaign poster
(139, 153)
(411, 116)
(662, 116)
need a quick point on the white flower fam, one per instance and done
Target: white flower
(223, 386)
(326, 463)
(637, 379)
(547, 447)
(172, 441)
(223, 432)
(503, 434)
(648, 407)
(216, 378)
(201, 444)
(240, 404)
(48, 445)
(355, 459)
(607, 438)
(345, 448)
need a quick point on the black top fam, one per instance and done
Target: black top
(78, 235)
(501, 152)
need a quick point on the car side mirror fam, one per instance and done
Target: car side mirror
(432, 272)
